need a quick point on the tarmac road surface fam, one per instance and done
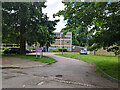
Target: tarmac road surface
(65, 73)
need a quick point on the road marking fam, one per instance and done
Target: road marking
(23, 86)
(41, 83)
(57, 79)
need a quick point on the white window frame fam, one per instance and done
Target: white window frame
(67, 41)
(67, 47)
(52, 47)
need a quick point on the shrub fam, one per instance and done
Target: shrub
(53, 51)
(64, 49)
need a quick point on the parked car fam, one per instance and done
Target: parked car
(29, 50)
(33, 50)
(14, 51)
(83, 52)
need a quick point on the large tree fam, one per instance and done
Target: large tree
(46, 32)
(105, 32)
(24, 22)
(21, 20)
(93, 23)
(78, 16)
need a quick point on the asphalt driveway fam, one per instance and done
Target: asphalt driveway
(66, 73)
(8, 62)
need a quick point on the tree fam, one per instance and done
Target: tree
(22, 19)
(101, 17)
(46, 32)
(78, 20)
(106, 27)
(50, 35)
(24, 22)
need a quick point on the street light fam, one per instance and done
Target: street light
(63, 45)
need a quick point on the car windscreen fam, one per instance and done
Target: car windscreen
(83, 51)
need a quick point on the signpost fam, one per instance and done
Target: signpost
(38, 49)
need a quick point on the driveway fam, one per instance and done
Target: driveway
(9, 62)
(66, 73)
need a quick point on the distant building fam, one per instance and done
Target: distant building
(62, 41)
(77, 48)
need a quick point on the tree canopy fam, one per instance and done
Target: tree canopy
(94, 24)
(26, 22)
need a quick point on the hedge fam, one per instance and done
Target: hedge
(64, 49)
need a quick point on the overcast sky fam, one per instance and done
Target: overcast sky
(53, 6)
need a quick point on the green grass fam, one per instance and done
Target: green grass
(107, 63)
(32, 58)
(1, 51)
(31, 47)
(11, 47)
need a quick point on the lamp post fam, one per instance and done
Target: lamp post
(63, 45)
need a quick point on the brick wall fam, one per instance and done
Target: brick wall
(102, 52)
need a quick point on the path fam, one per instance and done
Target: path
(66, 73)
(8, 62)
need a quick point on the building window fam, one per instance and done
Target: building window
(67, 47)
(68, 35)
(57, 40)
(53, 47)
(67, 41)
(54, 41)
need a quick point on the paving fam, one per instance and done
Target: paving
(65, 73)
(8, 62)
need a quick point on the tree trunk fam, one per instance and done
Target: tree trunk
(22, 47)
(22, 39)
(47, 48)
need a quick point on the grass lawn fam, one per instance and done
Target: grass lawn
(32, 58)
(54, 51)
(1, 51)
(108, 64)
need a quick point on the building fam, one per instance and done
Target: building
(62, 41)
(77, 48)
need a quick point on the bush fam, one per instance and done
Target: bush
(89, 49)
(64, 49)
(93, 48)
(53, 51)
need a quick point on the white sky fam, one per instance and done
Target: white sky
(53, 6)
